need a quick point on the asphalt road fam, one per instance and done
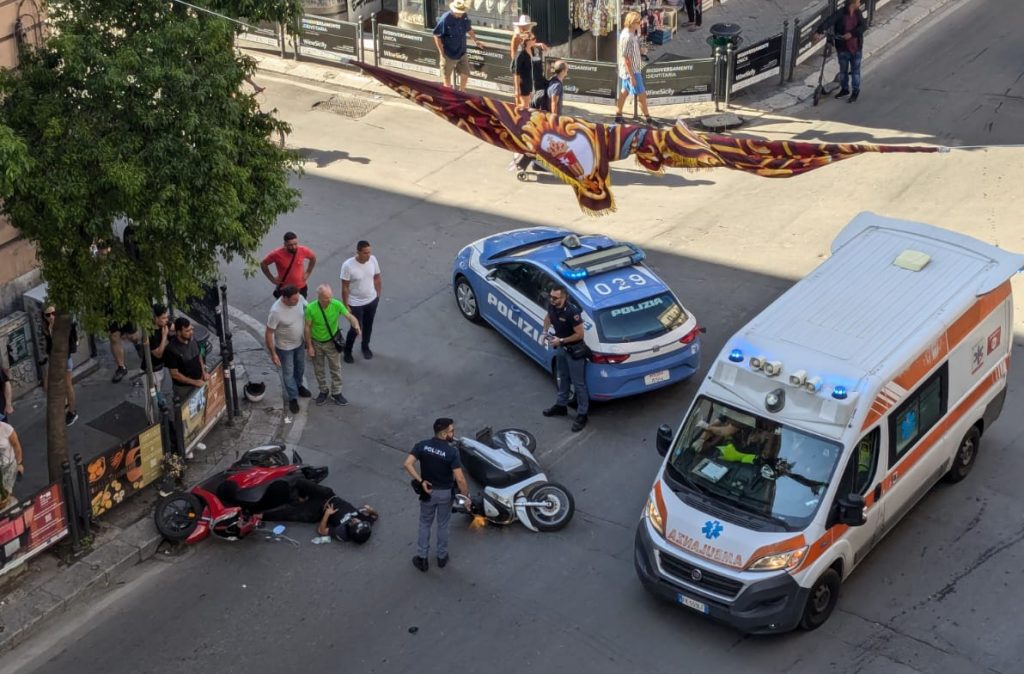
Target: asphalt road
(940, 594)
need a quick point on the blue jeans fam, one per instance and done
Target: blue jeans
(439, 506)
(293, 369)
(849, 68)
(568, 371)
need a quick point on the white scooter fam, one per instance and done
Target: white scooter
(515, 486)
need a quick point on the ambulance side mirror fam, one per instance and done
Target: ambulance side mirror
(851, 510)
(664, 439)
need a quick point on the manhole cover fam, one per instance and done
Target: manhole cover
(348, 106)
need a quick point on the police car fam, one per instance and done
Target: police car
(639, 334)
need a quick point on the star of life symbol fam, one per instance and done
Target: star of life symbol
(977, 356)
(712, 529)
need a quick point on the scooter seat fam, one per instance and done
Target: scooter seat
(258, 498)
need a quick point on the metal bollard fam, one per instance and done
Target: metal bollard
(783, 59)
(795, 48)
(84, 497)
(359, 37)
(229, 355)
(177, 430)
(718, 76)
(70, 510)
(376, 39)
(730, 70)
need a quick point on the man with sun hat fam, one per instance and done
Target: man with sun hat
(450, 37)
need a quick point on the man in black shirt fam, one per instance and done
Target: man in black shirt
(570, 357)
(440, 470)
(333, 515)
(184, 361)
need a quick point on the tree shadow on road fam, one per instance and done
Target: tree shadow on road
(327, 157)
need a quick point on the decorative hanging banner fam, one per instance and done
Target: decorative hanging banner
(579, 151)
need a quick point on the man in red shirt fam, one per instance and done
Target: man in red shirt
(290, 265)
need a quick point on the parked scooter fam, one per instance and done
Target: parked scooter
(515, 486)
(825, 89)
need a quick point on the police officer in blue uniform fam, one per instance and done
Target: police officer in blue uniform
(570, 356)
(440, 470)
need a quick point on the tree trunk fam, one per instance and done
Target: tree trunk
(56, 394)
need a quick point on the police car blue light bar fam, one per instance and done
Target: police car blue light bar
(572, 274)
(603, 259)
(736, 356)
(839, 392)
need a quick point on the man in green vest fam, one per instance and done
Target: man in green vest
(322, 318)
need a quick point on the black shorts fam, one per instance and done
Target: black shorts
(123, 328)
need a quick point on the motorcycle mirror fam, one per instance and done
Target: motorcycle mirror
(296, 459)
(664, 440)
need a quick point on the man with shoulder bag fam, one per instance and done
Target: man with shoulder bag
(570, 358)
(325, 342)
(290, 265)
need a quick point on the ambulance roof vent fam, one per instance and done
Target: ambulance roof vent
(912, 260)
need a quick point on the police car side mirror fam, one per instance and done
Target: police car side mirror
(851, 510)
(491, 275)
(664, 440)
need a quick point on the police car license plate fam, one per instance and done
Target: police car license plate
(693, 603)
(655, 377)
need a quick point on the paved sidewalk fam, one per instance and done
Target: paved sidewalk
(891, 23)
(45, 586)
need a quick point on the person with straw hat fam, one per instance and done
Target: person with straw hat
(450, 37)
(527, 55)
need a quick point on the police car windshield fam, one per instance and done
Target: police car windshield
(643, 319)
(754, 464)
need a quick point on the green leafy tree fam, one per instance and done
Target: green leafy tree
(133, 111)
(13, 159)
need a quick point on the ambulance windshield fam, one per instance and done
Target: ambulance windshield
(754, 464)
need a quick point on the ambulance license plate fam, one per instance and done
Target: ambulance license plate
(692, 603)
(655, 377)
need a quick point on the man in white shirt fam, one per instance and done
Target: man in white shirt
(360, 292)
(285, 341)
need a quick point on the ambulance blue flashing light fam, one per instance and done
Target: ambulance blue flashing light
(736, 356)
(839, 392)
(572, 274)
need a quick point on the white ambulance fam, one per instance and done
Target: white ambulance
(825, 419)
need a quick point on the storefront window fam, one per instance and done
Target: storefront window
(410, 13)
(499, 14)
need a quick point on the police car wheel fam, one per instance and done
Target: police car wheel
(966, 454)
(465, 298)
(821, 600)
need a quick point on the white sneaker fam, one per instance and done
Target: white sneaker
(320, 540)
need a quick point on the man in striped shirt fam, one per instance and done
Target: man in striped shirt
(631, 79)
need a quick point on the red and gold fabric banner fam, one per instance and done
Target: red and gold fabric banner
(579, 151)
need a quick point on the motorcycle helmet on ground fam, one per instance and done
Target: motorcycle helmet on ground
(254, 391)
(353, 530)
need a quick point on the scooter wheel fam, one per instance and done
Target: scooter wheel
(522, 176)
(525, 437)
(177, 515)
(557, 513)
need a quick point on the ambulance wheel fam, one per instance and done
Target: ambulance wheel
(966, 454)
(465, 298)
(820, 601)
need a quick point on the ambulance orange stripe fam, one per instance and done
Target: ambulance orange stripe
(787, 545)
(937, 352)
(926, 443)
(659, 500)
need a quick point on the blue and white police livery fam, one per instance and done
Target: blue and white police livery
(640, 335)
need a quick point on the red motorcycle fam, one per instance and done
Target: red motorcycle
(229, 504)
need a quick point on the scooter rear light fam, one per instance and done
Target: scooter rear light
(608, 358)
(690, 336)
